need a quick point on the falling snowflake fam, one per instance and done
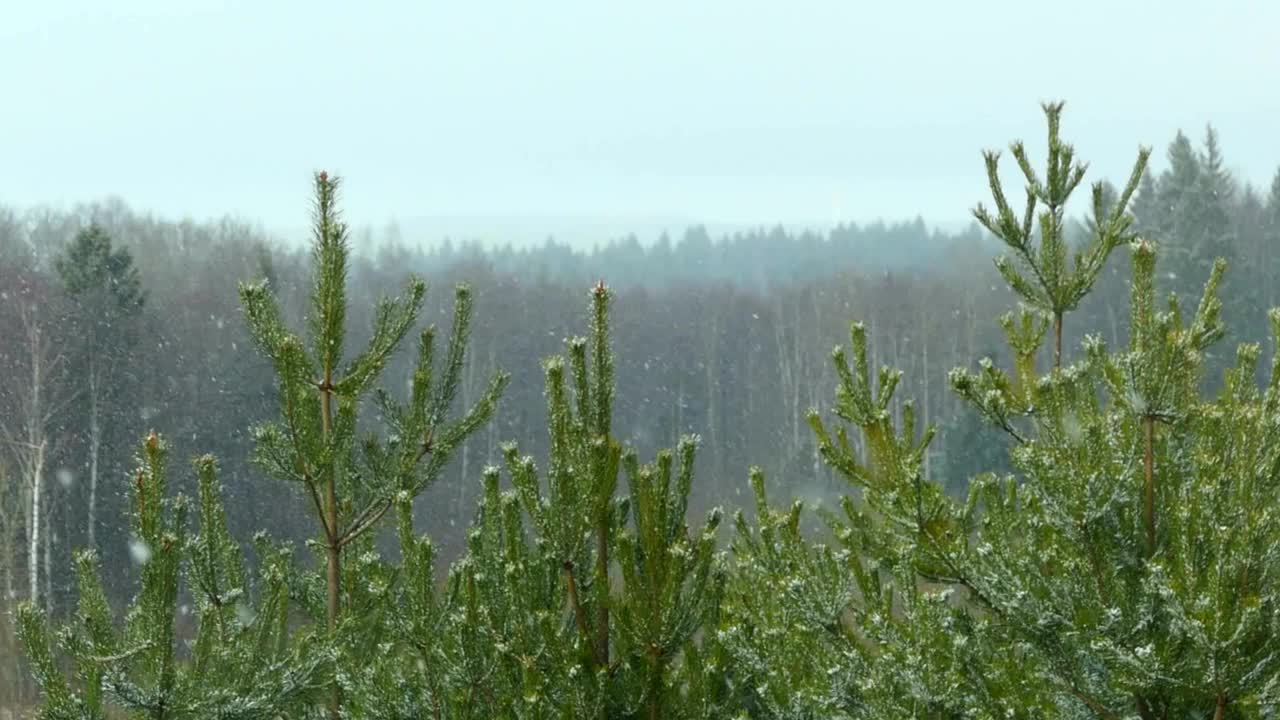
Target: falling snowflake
(139, 551)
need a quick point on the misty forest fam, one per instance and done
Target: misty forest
(1037, 477)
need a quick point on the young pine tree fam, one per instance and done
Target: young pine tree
(1041, 274)
(352, 482)
(1129, 562)
(852, 628)
(588, 609)
(627, 639)
(243, 663)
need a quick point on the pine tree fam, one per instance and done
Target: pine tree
(1128, 562)
(670, 583)
(1042, 276)
(243, 661)
(843, 629)
(1122, 562)
(315, 441)
(530, 623)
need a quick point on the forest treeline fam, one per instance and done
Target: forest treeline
(117, 323)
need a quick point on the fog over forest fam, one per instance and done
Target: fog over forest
(609, 464)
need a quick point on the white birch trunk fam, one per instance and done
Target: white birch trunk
(33, 533)
(30, 442)
(36, 455)
(47, 542)
(35, 439)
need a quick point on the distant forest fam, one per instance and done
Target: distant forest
(728, 337)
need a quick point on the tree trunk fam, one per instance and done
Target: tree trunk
(333, 581)
(601, 582)
(333, 549)
(924, 376)
(33, 533)
(1148, 427)
(8, 571)
(1057, 340)
(36, 447)
(602, 589)
(491, 427)
(469, 388)
(95, 447)
(465, 451)
(31, 446)
(655, 686)
(712, 367)
(47, 542)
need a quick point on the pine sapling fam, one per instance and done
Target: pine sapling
(671, 582)
(1125, 560)
(1042, 277)
(242, 663)
(314, 443)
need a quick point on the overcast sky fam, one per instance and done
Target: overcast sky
(596, 118)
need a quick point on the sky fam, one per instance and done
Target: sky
(511, 121)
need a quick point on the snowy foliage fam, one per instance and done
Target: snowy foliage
(241, 664)
(1126, 567)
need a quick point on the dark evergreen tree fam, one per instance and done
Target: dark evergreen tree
(1269, 240)
(106, 296)
(969, 448)
(1147, 211)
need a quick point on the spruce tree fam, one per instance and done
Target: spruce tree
(243, 661)
(106, 297)
(1269, 266)
(352, 482)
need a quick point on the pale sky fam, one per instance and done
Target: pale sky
(592, 119)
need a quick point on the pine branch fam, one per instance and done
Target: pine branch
(319, 507)
(579, 615)
(366, 519)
